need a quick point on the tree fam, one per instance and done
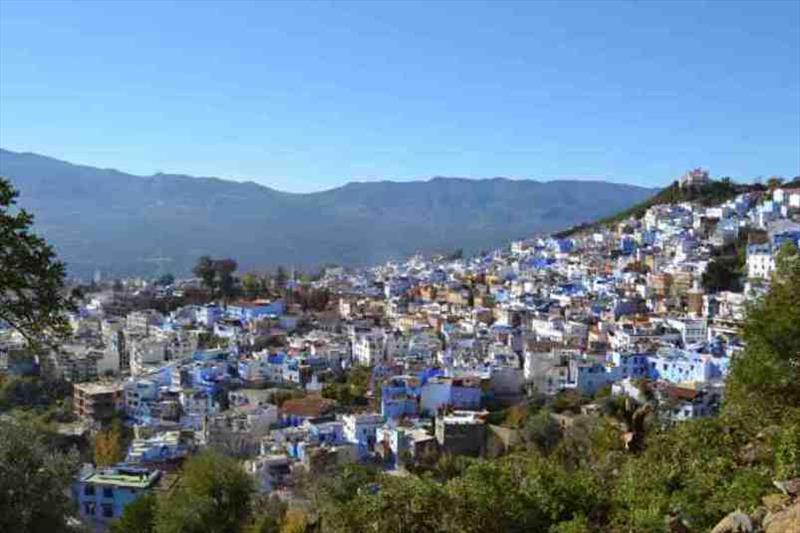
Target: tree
(270, 514)
(721, 275)
(204, 269)
(542, 431)
(787, 450)
(281, 277)
(252, 285)
(763, 379)
(138, 516)
(295, 521)
(32, 295)
(108, 445)
(34, 480)
(32, 393)
(225, 269)
(217, 275)
(213, 497)
(774, 182)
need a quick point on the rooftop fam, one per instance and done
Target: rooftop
(139, 478)
(99, 388)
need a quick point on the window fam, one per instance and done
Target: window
(88, 490)
(88, 508)
(108, 492)
(108, 510)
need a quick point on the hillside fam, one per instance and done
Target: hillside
(117, 222)
(714, 193)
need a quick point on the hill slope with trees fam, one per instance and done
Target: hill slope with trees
(121, 224)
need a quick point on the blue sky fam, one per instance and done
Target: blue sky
(304, 96)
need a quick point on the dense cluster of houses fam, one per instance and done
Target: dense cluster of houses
(618, 309)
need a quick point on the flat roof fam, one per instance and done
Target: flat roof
(99, 388)
(143, 481)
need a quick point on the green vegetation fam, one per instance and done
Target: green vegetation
(35, 475)
(217, 276)
(764, 382)
(212, 496)
(33, 393)
(208, 340)
(138, 516)
(32, 295)
(110, 444)
(351, 390)
(35, 479)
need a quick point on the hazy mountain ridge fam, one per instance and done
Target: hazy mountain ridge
(117, 222)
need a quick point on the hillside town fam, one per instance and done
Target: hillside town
(391, 365)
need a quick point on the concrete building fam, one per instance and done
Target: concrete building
(695, 178)
(760, 262)
(462, 432)
(97, 402)
(103, 494)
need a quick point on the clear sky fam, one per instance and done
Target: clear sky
(304, 96)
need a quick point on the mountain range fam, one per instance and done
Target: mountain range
(123, 224)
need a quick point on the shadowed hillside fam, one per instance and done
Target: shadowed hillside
(117, 222)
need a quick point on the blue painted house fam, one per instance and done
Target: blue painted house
(103, 494)
(400, 397)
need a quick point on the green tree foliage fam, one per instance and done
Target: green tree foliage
(541, 432)
(34, 480)
(217, 275)
(764, 381)
(269, 515)
(339, 392)
(281, 277)
(227, 283)
(295, 521)
(138, 516)
(517, 493)
(787, 449)
(698, 471)
(213, 497)
(208, 340)
(204, 269)
(774, 182)
(253, 286)
(569, 401)
(722, 274)
(32, 393)
(32, 295)
(352, 389)
(109, 445)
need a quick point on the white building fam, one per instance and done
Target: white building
(373, 347)
(760, 262)
(692, 330)
(785, 196)
(146, 353)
